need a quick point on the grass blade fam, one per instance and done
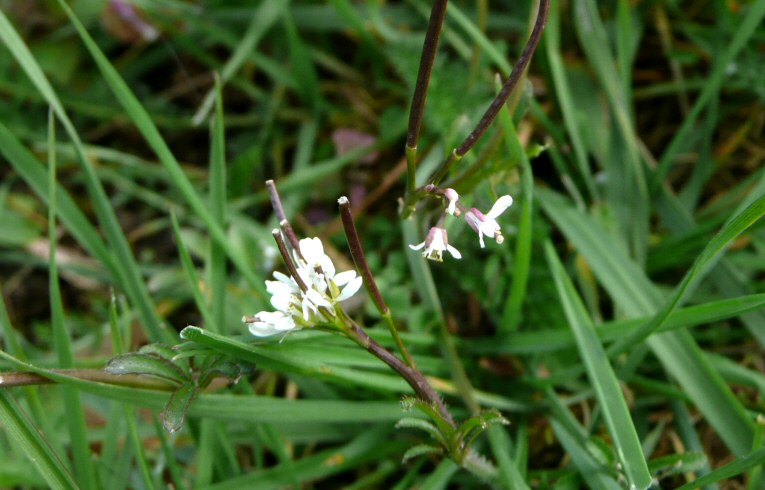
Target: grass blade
(734, 468)
(262, 20)
(703, 264)
(602, 377)
(511, 316)
(714, 81)
(127, 273)
(217, 262)
(21, 430)
(637, 296)
(148, 129)
(75, 415)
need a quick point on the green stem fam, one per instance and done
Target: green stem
(461, 380)
(397, 338)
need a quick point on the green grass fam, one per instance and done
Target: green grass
(618, 328)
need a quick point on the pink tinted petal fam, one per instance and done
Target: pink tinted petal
(499, 207)
(473, 220)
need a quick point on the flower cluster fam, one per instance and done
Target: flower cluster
(309, 301)
(483, 224)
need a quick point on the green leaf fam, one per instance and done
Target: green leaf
(424, 425)
(632, 291)
(234, 407)
(419, 450)
(177, 406)
(146, 364)
(593, 472)
(677, 464)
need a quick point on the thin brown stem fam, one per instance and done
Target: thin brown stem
(288, 259)
(21, 378)
(501, 98)
(411, 375)
(357, 252)
(429, 47)
(362, 266)
(417, 110)
(284, 223)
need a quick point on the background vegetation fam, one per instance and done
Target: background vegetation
(619, 327)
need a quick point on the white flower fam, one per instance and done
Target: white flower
(296, 308)
(435, 243)
(487, 224)
(452, 196)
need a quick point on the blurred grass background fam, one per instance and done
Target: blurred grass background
(619, 327)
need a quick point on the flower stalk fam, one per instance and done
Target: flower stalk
(410, 374)
(284, 223)
(499, 100)
(362, 266)
(288, 259)
(417, 110)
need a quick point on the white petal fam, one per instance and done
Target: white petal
(350, 289)
(317, 299)
(270, 322)
(284, 278)
(285, 323)
(499, 207)
(326, 265)
(418, 246)
(489, 228)
(438, 243)
(278, 287)
(311, 247)
(455, 253)
(452, 196)
(282, 302)
(260, 329)
(480, 239)
(344, 277)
